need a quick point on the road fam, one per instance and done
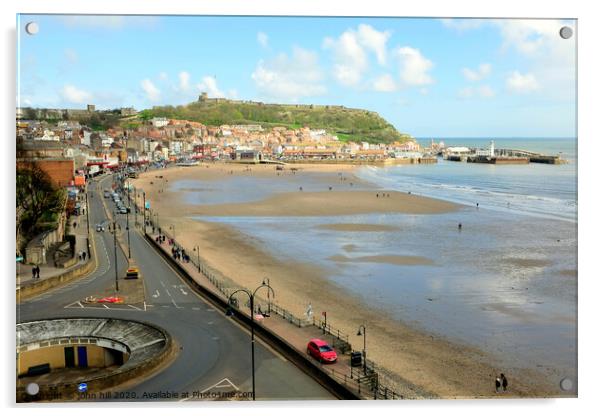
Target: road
(215, 353)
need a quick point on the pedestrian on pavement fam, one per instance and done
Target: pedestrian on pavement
(498, 384)
(33, 272)
(37, 271)
(84, 255)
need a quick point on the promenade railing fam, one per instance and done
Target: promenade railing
(370, 384)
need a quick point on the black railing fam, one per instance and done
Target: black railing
(369, 384)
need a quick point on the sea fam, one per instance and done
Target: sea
(505, 283)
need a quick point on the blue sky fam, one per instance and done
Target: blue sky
(428, 77)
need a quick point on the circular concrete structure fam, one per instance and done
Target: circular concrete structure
(77, 358)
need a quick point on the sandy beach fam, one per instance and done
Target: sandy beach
(439, 366)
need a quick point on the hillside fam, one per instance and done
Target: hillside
(348, 124)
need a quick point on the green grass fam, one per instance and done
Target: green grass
(348, 124)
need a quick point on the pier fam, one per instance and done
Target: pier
(499, 156)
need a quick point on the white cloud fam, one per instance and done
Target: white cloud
(184, 78)
(262, 39)
(414, 67)
(349, 57)
(375, 41)
(536, 38)
(209, 85)
(108, 22)
(233, 93)
(463, 24)
(476, 75)
(520, 83)
(349, 52)
(152, 92)
(384, 83)
(543, 52)
(290, 78)
(73, 94)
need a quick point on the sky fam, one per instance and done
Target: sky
(431, 78)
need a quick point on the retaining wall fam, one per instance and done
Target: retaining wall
(275, 341)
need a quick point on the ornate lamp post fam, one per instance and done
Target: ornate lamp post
(229, 312)
(359, 333)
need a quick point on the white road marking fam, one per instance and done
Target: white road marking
(134, 307)
(156, 294)
(196, 309)
(227, 383)
(183, 291)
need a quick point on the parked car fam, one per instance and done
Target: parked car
(321, 351)
(100, 228)
(123, 210)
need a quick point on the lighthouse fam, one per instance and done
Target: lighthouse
(491, 149)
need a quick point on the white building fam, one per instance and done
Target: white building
(489, 152)
(159, 121)
(48, 136)
(175, 147)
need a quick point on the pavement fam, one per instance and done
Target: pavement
(48, 270)
(296, 333)
(215, 355)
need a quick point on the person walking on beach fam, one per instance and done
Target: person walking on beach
(504, 381)
(459, 226)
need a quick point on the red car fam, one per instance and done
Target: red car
(321, 351)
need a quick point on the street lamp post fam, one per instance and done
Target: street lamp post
(144, 210)
(87, 211)
(115, 246)
(229, 312)
(269, 303)
(198, 259)
(127, 228)
(359, 333)
(135, 208)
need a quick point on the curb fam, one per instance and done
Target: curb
(299, 359)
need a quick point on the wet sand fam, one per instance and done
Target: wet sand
(301, 204)
(432, 362)
(528, 262)
(390, 259)
(358, 227)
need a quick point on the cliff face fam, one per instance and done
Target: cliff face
(347, 123)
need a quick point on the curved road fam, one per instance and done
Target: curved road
(215, 352)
